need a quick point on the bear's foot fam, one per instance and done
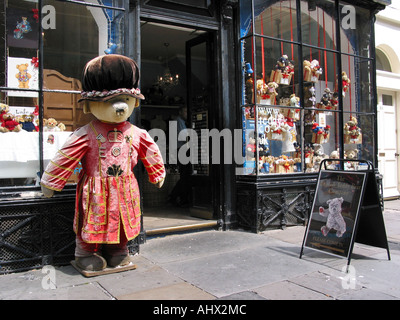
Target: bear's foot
(91, 263)
(118, 261)
(339, 233)
(325, 230)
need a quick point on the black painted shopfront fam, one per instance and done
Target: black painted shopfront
(222, 58)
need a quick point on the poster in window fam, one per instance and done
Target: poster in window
(334, 213)
(22, 28)
(22, 73)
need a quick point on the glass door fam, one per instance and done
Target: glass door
(201, 116)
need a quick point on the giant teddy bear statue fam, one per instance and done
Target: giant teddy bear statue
(107, 210)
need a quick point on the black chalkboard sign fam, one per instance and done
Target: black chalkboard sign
(346, 209)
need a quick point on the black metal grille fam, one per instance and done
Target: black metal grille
(37, 232)
(259, 209)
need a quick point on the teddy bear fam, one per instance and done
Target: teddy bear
(9, 124)
(251, 147)
(352, 133)
(271, 92)
(283, 71)
(325, 102)
(27, 123)
(345, 83)
(274, 131)
(288, 136)
(334, 102)
(107, 213)
(21, 28)
(23, 76)
(52, 125)
(4, 109)
(351, 154)
(334, 216)
(335, 154)
(260, 90)
(316, 70)
(307, 70)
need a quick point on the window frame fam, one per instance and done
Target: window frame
(302, 48)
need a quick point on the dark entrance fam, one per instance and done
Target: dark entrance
(176, 73)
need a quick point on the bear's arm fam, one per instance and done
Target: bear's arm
(323, 212)
(65, 161)
(151, 157)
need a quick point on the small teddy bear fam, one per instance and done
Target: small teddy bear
(271, 91)
(9, 124)
(352, 133)
(27, 123)
(307, 70)
(251, 147)
(23, 76)
(3, 110)
(334, 216)
(316, 70)
(351, 154)
(51, 125)
(335, 154)
(345, 83)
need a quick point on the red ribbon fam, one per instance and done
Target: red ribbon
(35, 62)
(36, 14)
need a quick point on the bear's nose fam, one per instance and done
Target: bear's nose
(120, 108)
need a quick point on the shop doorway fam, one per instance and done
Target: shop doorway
(177, 78)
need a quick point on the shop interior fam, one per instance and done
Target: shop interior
(165, 84)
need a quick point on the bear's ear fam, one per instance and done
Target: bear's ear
(341, 199)
(329, 201)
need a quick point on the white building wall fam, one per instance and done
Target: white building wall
(387, 39)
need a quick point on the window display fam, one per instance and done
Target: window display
(40, 78)
(306, 101)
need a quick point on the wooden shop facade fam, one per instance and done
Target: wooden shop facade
(271, 88)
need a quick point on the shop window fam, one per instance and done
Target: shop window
(40, 77)
(382, 61)
(304, 97)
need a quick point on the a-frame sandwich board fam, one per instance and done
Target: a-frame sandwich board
(346, 209)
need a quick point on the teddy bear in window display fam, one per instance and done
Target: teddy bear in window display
(107, 211)
(345, 83)
(352, 133)
(312, 70)
(283, 71)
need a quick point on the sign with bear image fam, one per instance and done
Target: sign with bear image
(22, 73)
(335, 212)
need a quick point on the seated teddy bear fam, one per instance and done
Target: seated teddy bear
(335, 219)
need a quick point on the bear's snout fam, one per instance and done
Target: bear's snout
(120, 108)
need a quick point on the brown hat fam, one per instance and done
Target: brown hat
(108, 76)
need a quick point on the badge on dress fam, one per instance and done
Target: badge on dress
(115, 136)
(116, 151)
